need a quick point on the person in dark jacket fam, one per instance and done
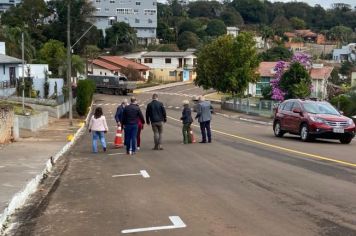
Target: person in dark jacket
(156, 116)
(120, 111)
(187, 120)
(132, 113)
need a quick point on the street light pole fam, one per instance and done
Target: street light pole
(69, 67)
(23, 72)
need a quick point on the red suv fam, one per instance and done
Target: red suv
(312, 119)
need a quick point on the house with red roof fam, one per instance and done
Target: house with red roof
(113, 65)
(319, 73)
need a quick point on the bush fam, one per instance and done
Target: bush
(85, 91)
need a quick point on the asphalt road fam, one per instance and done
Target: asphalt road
(247, 182)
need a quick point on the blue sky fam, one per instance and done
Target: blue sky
(323, 3)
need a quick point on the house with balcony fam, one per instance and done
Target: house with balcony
(319, 73)
(171, 66)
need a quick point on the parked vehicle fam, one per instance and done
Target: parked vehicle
(114, 84)
(312, 119)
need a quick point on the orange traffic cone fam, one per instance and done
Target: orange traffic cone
(118, 138)
(192, 136)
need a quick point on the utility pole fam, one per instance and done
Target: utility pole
(69, 67)
(23, 72)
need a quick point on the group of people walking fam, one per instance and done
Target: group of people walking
(130, 117)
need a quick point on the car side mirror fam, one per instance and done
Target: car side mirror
(341, 112)
(297, 110)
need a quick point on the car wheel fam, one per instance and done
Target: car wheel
(278, 132)
(304, 133)
(345, 139)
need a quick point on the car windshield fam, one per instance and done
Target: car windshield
(320, 108)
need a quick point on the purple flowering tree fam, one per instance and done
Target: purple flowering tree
(280, 68)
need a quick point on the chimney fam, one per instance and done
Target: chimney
(2, 48)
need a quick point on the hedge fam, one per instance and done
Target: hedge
(85, 91)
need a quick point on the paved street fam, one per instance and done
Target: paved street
(246, 182)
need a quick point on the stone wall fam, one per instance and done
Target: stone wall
(6, 123)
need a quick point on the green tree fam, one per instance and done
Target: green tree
(12, 38)
(121, 37)
(216, 28)
(296, 81)
(192, 25)
(82, 13)
(187, 40)
(78, 65)
(252, 11)
(231, 17)
(341, 33)
(85, 91)
(266, 33)
(297, 23)
(276, 54)
(211, 9)
(91, 52)
(53, 53)
(165, 33)
(281, 24)
(228, 64)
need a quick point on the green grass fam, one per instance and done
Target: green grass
(18, 107)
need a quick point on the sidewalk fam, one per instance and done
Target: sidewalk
(163, 86)
(21, 161)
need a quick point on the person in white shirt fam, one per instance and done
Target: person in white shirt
(99, 127)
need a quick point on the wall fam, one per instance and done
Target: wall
(38, 84)
(162, 75)
(53, 111)
(6, 123)
(34, 122)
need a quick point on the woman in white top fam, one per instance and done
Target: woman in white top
(98, 125)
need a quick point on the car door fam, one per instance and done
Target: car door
(286, 112)
(295, 118)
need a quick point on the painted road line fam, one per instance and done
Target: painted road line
(177, 107)
(114, 154)
(2, 167)
(176, 221)
(314, 156)
(142, 172)
(170, 107)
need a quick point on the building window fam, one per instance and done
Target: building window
(172, 73)
(98, 9)
(135, 11)
(265, 81)
(97, 0)
(168, 60)
(150, 21)
(137, 20)
(138, 3)
(107, 9)
(124, 11)
(148, 60)
(149, 12)
(112, 1)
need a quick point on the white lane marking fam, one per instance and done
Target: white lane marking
(2, 166)
(177, 107)
(176, 221)
(170, 107)
(107, 104)
(114, 154)
(99, 104)
(142, 172)
(113, 104)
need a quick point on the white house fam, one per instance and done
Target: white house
(171, 66)
(234, 31)
(9, 73)
(346, 53)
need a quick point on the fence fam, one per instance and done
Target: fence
(251, 106)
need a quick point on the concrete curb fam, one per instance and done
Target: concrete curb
(19, 199)
(149, 89)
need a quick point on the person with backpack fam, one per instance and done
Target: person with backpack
(98, 127)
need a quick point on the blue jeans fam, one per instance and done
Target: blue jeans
(98, 135)
(205, 130)
(130, 137)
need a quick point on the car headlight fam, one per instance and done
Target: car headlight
(317, 119)
(350, 122)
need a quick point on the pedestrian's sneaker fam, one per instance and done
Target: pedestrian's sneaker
(104, 148)
(138, 148)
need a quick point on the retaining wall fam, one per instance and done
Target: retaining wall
(34, 122)
(6, 123)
